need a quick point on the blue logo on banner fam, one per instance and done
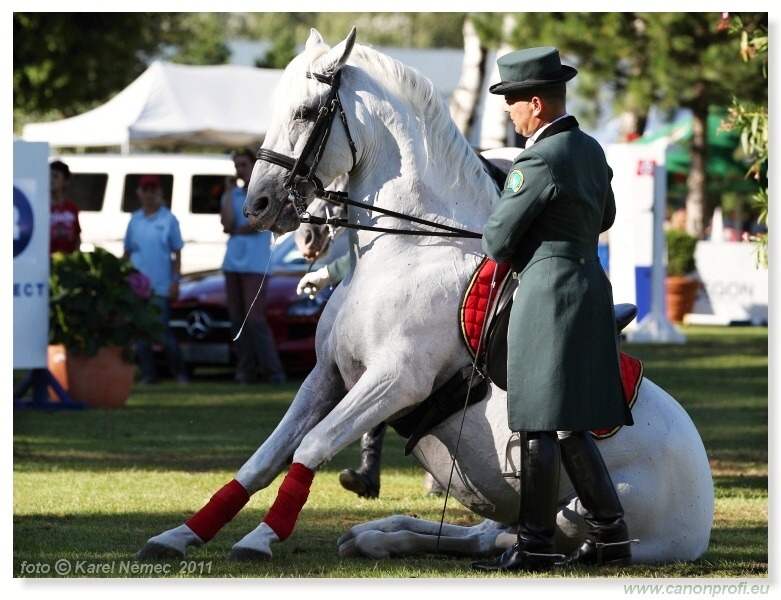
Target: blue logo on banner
(23, 222)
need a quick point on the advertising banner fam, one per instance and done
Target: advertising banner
(31, 254)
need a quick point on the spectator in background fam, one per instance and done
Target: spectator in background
(65, 231)
(677, 220)
(246, 259)
(153, 243)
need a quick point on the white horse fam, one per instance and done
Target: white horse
(389, 337)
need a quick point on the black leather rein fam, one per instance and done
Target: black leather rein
(302, 188)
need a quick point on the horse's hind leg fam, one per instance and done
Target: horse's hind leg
(406, 536)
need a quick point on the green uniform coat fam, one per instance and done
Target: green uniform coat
(562, 367)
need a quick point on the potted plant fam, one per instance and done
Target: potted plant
(98, 306)
(681, 284)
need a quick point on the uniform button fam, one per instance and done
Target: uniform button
(582, 261)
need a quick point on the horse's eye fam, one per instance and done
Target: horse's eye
(304, 113)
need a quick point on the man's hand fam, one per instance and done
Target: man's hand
(313, 282)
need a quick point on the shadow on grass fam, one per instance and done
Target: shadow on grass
(741, 486)
(311, 551)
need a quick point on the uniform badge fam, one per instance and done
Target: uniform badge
(515, 180)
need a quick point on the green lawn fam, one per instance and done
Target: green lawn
(93, 486)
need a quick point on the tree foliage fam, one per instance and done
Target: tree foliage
(669, 60)
(65, 61)
(409, 30)
(68, 62)
(197, 38)
(751, 118)
(282, 51)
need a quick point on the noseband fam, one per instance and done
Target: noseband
(301, 188)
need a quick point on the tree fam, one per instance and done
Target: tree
(751, 119)
(694, 65)
(282, 51)
(466, 96)
(411, 30)
(669, 60)
(65, 63)
(197, 39)
(496, 32)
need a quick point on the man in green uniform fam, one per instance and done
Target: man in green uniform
(563, 365)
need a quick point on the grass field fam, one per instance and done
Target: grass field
(93, 486)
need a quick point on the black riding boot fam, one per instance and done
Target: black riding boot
(366, 480)
(539, 474)
(607, 541)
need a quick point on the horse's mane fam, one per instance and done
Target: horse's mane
(447, 144)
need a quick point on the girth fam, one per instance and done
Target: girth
(443, 403)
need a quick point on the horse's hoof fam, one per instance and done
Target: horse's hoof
(345, 537)
(155, 550)
(348, 549)
(247, 555)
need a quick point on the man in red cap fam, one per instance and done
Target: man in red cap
(563, 368)
(153, 243)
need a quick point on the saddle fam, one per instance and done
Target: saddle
(484, 329)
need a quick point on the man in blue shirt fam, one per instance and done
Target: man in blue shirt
(246, 259)
(153, 244)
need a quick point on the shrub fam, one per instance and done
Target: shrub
(680, 253)
(97, 299)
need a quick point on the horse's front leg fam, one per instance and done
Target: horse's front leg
(318, 394)
(401, 535)
(374, 398)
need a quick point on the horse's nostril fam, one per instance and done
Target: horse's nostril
(261, 205)
(308, 237)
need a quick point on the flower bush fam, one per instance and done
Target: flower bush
(97, 300)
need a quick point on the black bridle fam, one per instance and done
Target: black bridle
(302, 187)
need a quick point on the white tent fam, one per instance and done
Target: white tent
(170, 104)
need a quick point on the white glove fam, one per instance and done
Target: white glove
(313, 282)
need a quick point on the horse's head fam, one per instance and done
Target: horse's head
(313, 240)
(308, 143)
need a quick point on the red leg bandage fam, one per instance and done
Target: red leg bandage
(222, 507)
(290, 500)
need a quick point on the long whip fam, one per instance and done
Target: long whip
(260, 287)
(466, 405)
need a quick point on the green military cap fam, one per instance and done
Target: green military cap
(531, 68)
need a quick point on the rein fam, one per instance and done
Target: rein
(342, 198)
(302, 188)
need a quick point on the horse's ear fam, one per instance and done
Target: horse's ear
(315, 39)
(338, 56)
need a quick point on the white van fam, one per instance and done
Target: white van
(104, 187)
